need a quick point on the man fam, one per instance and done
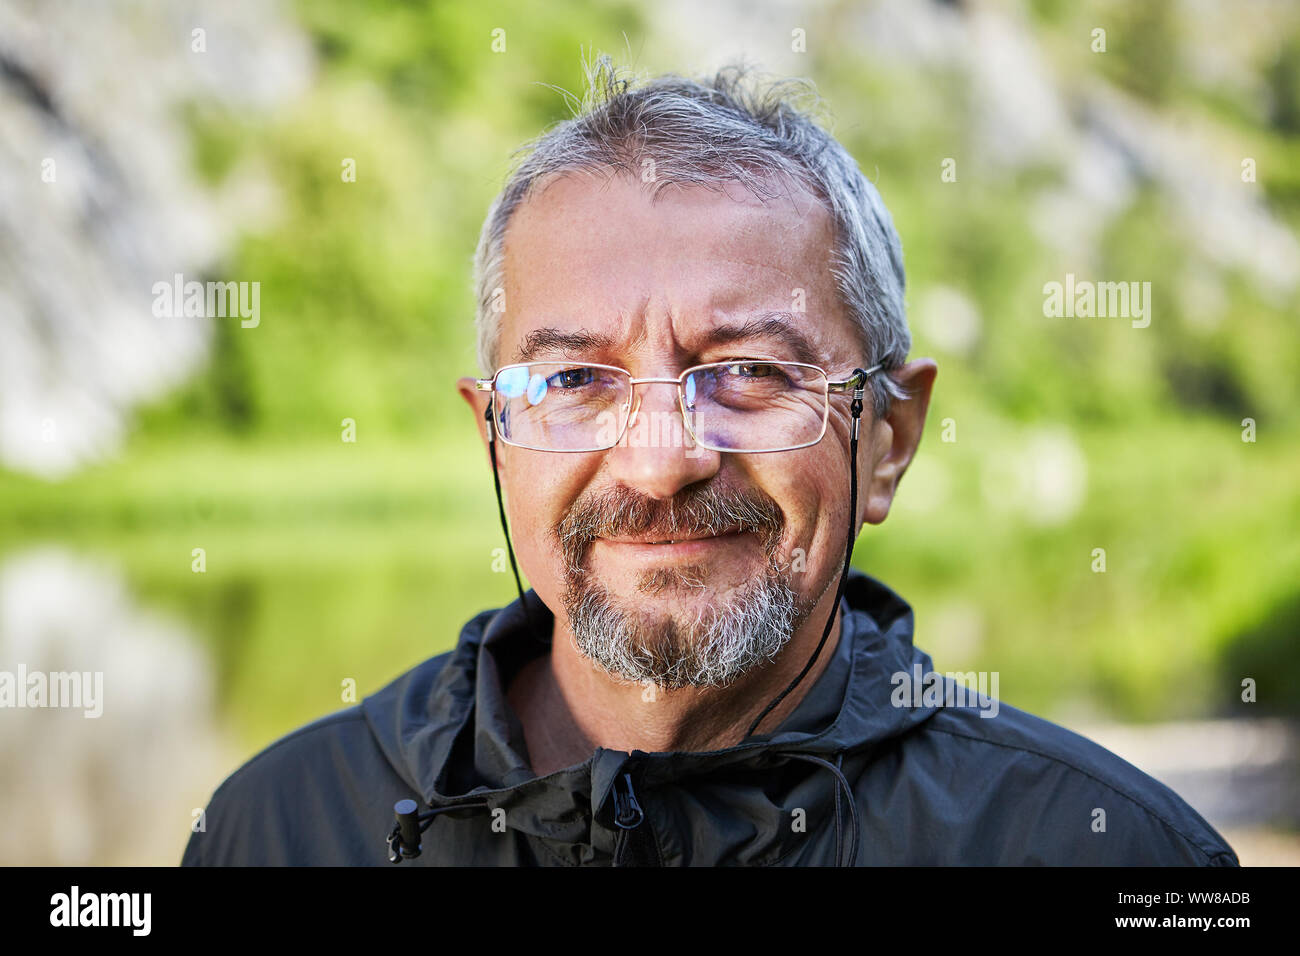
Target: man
(696, 392)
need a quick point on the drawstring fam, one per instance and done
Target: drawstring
(841, 783)
(404, 842)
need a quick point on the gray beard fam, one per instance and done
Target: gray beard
(726, 638)
(724, 641)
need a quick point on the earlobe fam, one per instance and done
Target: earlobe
(872, 471)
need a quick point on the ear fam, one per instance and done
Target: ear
(895, 436)
(478, 403)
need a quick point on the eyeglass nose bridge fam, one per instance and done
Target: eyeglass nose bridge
(634, 400)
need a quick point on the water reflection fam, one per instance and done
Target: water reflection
(120, 788)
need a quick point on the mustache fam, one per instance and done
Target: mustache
(709, 509)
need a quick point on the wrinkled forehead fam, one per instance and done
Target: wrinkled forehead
(603, 267)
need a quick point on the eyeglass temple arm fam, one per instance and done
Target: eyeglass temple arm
(855, 382)
(486, 385)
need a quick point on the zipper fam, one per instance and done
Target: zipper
(635, 844)
(628, 814)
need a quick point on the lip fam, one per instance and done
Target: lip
(685, 547)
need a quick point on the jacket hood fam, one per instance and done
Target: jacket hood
(449, 732)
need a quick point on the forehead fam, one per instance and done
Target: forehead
(596, 253)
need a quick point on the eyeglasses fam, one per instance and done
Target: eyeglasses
(744, 405)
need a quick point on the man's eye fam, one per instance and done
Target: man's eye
(573, 377)
(752, 370)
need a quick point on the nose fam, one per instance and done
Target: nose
(657, 456)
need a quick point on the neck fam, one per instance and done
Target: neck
(568, 706)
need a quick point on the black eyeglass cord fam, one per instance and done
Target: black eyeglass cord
(855, 410)
(505, 529)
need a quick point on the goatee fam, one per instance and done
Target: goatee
(726, 637)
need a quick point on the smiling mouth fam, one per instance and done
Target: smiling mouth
(680, 539)
(688, 548)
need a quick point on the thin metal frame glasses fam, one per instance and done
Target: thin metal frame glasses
(524, 383)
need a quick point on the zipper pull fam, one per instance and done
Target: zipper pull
(627, 812)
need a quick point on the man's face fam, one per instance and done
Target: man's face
(597, 273)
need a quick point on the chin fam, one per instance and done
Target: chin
(683, 635)
(686, 582)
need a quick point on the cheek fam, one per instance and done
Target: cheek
(806, 485)
(539, 489)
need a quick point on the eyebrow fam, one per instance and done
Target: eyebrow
(556, 340)
(766, 325)
(772, 325)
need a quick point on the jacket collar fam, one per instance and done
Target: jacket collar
(450, 733)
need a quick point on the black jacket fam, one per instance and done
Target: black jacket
(849, 777)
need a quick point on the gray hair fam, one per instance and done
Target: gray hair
(711, 133)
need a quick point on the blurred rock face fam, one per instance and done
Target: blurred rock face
(99, 200)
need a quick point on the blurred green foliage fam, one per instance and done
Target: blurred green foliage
(329, 560)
